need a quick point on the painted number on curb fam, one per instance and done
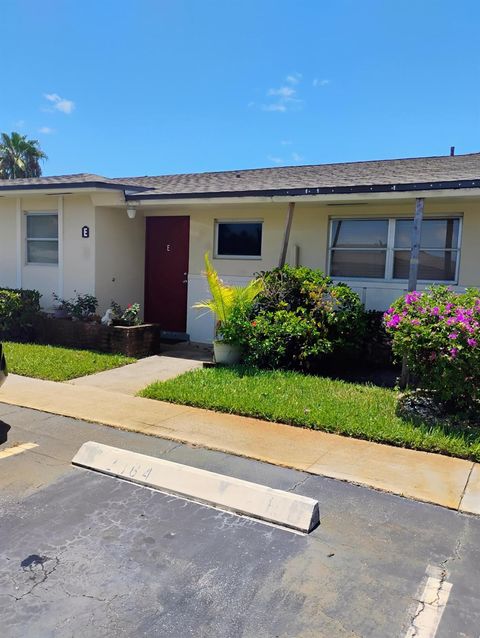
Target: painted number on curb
(130, 470)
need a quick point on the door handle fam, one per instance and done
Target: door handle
(185, 281)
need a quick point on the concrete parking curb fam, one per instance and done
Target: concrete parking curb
(285, 509)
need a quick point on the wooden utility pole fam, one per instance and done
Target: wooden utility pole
(414, 254)
(413, 270)
(286, 235)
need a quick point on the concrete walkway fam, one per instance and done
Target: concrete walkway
(136, 376)
(446, 481)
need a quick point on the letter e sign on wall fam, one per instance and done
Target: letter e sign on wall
(85, 232)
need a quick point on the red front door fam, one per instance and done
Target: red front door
(166, 272)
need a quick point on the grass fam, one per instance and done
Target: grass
(350, 409)
(58, 364)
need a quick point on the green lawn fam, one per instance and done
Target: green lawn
(356, 410)
(58, 364)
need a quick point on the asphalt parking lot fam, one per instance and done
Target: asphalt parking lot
(83, 554)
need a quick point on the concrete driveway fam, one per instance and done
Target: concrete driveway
(88, 555)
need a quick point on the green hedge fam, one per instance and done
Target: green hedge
(18, 308)
(300, 320)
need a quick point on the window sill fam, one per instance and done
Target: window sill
(39, 263)
(239, 257)
(394, 283)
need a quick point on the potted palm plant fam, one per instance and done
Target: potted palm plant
(224, 303)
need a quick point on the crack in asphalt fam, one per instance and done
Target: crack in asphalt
(175, 447)
(423, 604)
(299, 483)
(441, 578)
(91, 596)
(415, 617)
(45, 574)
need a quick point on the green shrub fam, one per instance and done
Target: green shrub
(81, 307)
(376, 349)
(438, 332)
(17, 310)
(236, 328)
(299, 317)
(285, 339)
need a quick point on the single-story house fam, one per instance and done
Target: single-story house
(143, 239)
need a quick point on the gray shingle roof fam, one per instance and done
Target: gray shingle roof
(54, 179)
(460, 171)
(48, 181)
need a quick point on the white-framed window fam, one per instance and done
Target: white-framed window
(238, 239)
(379, 248)
(41, 237)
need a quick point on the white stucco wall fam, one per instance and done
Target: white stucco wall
(76, 267)
(8, 243)
(120, 257)
(79, 252)
(309, 243)
(108, 264)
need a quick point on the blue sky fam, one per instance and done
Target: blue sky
(147, 87)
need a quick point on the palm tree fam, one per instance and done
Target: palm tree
(19, 156)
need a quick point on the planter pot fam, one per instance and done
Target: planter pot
(226, 353)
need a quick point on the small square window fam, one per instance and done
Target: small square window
(239, 239)
(42, 238)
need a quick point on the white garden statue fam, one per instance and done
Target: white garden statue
(107, 318)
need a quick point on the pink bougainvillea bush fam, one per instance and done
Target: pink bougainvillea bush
(438, 331)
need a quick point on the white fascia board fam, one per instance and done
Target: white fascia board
(40, 192)
(180, 203)
(324, 198)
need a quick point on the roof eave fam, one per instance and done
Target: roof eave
(70, 185)
(302, 192)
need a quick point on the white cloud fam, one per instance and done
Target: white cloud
(287, 99)
(293, 78)
(283, 91)
(285, 142)
(60, 103)
(318, 82)
(297, 158)
(46, 130)
(275, 160)
(19, 124)
(284, 97)
(276, 106)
